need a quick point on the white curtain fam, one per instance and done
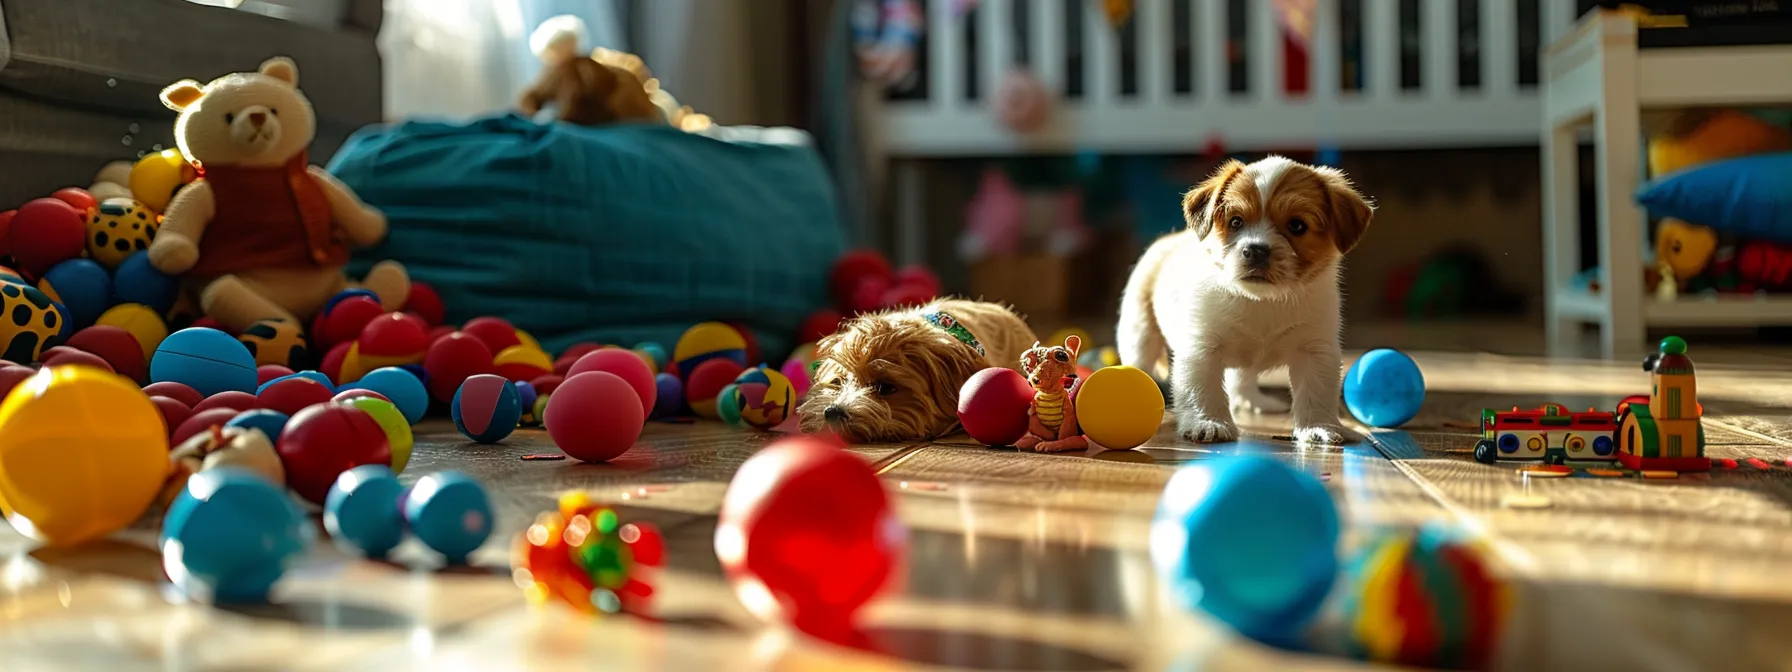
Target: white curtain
(461, 58)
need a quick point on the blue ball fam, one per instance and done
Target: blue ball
(270, 422)
(655, 350)
(140, 282)
(486, 408)
(404, 390)
(204, 359)
(417, 370)
(229, 534)
(361, 511)
(1384, 388)
(669, 392)
(1250, 541)
(525, 399)
(82, 286)
(449, 512)
(313, 375)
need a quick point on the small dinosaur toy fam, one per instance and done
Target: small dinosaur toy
(1051, 422)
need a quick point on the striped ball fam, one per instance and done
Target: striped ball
(487, 408)
(1423, 598)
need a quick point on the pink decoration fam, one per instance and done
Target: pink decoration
(1022, 103)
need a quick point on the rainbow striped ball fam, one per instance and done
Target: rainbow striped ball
(487, 408)
(707, 341)
(765, 397)
(1423, 598)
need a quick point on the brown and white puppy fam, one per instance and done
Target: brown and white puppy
(895, 376)
(1250, 286)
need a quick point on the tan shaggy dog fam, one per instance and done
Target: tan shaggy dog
(895, 376)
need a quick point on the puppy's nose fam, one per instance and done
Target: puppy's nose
(258, 118)
(1256, 255)
(834, 414)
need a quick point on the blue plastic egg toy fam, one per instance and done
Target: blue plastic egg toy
(486, 408)
(526, 396)
(270, 422)
(450, 513)
(204, 359)
(362, 511)
(312, 375)
(137, 281)
(228, 536)
(399, 386)
(1250, 541)
(1384, 388)
(80, 285)
(669, 391)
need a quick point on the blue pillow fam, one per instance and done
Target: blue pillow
(1750, 196)
(618, 234)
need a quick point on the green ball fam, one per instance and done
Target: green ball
(1673, 345)
(728, 406)
(541, 410)
(390, 419)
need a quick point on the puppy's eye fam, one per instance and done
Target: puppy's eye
(885, 389)
(1296, 227)
(228, 117)
(1235, 223)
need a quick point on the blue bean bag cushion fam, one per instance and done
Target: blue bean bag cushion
(619, 234)
(1749, 196)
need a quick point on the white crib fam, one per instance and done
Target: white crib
(1411, 95)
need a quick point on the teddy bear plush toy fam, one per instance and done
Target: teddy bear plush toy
(262, 234)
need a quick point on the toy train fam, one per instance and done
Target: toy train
(1550, 433)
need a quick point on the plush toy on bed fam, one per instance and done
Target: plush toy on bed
(609, 87)
(1685, 250)
(262, 234)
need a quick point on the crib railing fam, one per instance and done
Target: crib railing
(1182, 75)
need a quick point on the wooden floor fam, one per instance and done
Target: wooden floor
(1018, 562)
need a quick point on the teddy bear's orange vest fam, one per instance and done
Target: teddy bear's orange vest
(267, 217)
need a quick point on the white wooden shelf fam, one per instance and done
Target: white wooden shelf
(1596, 77)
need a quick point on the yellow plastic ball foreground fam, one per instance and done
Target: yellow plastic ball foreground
(83, 454)
(1119, 407)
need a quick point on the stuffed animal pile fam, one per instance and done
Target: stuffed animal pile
(609, 87)
(1691, 257)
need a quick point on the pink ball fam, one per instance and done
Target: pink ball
(267, 372)
(173, 412)
(993, 406)
(63, 355)
(200, 421)
(233, 400)
(292, 395)
(175, 391)
(798, 373)
(626, 365)
(595, 416)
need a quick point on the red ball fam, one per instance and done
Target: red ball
(358, 393)
(173, 412)
(821, 324)
(5, 227)
(115, 345)
(624, 364)
(320, 442)
(853, 267)
(752, 342)
(344, 321)
(496, 332)
(212, 323)
(439, 332)
(921, 277)
(452, 360)
(545, 385)
(572, 354)
(425, 303)
(906, 296)
(868, 296)
(233, 399)
(595, 416)
(267, 372)
(807, 536)
(199, 421)
(175, 391)
(394, 335)
(993, 406)
(63, 355)
(11, 376)
(707, 381)
(46, 232)
(292, 395)
(78, 198)
(332, 364)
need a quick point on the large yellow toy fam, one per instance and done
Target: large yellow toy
(1119, 407)
(83, 454)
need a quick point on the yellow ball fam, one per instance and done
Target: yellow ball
(156, 178)
(1119, 407)
(141, 321)
(119, 228)
(83, 453)
(706, 341)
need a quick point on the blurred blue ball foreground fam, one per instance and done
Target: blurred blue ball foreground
(228, 536)
(1249, 541)
(1384, 388)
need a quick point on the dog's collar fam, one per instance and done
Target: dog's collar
(955, 329)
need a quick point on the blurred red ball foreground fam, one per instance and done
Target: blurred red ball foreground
(807, 535)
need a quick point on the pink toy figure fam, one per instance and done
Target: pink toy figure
(1002, 220)
(1051, 423)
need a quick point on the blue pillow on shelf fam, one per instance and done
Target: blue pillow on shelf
(617, 234)
(1750, 196)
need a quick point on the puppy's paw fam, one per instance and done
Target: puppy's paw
(1206, 430)
(1254, 401)
(1328, 435)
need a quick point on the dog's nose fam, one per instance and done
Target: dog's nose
(834, 414)
(1256, 254)
(258, 118)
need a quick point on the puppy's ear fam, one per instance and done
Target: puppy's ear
(1197, 204)
(1350, 212)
